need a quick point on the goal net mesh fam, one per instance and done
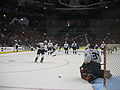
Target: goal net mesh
(113, 64)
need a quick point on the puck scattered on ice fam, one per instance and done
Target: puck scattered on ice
(59, 76)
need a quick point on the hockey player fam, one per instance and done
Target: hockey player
(66, 47)
(74, 47)
(102, 48)
(59, 47)
(2, 48)
(16, 47)
(32, 48)
(53, 50)
(87, 46)
(50, 47)
(45, 42)
(91, 66)
(41, 51)
(45, 46)
(109, 50)
(96, 46)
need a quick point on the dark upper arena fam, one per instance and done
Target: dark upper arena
(27, 22)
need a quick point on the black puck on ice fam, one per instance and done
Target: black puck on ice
(59, 76)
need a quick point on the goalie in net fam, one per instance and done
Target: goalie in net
(91, 68)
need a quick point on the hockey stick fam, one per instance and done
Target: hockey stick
(86, 39)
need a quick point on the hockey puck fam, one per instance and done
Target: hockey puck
(59, 76)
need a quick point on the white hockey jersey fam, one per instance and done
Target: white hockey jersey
(50, 45)
(92, 55)
(74, 45)
(66, 45)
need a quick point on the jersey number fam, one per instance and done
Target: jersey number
(95, 55)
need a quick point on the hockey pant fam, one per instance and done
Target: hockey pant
(42, 57)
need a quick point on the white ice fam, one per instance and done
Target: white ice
(19, 72)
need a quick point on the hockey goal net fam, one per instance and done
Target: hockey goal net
(112, 63)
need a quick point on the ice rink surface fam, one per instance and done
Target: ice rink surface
(18, 71)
